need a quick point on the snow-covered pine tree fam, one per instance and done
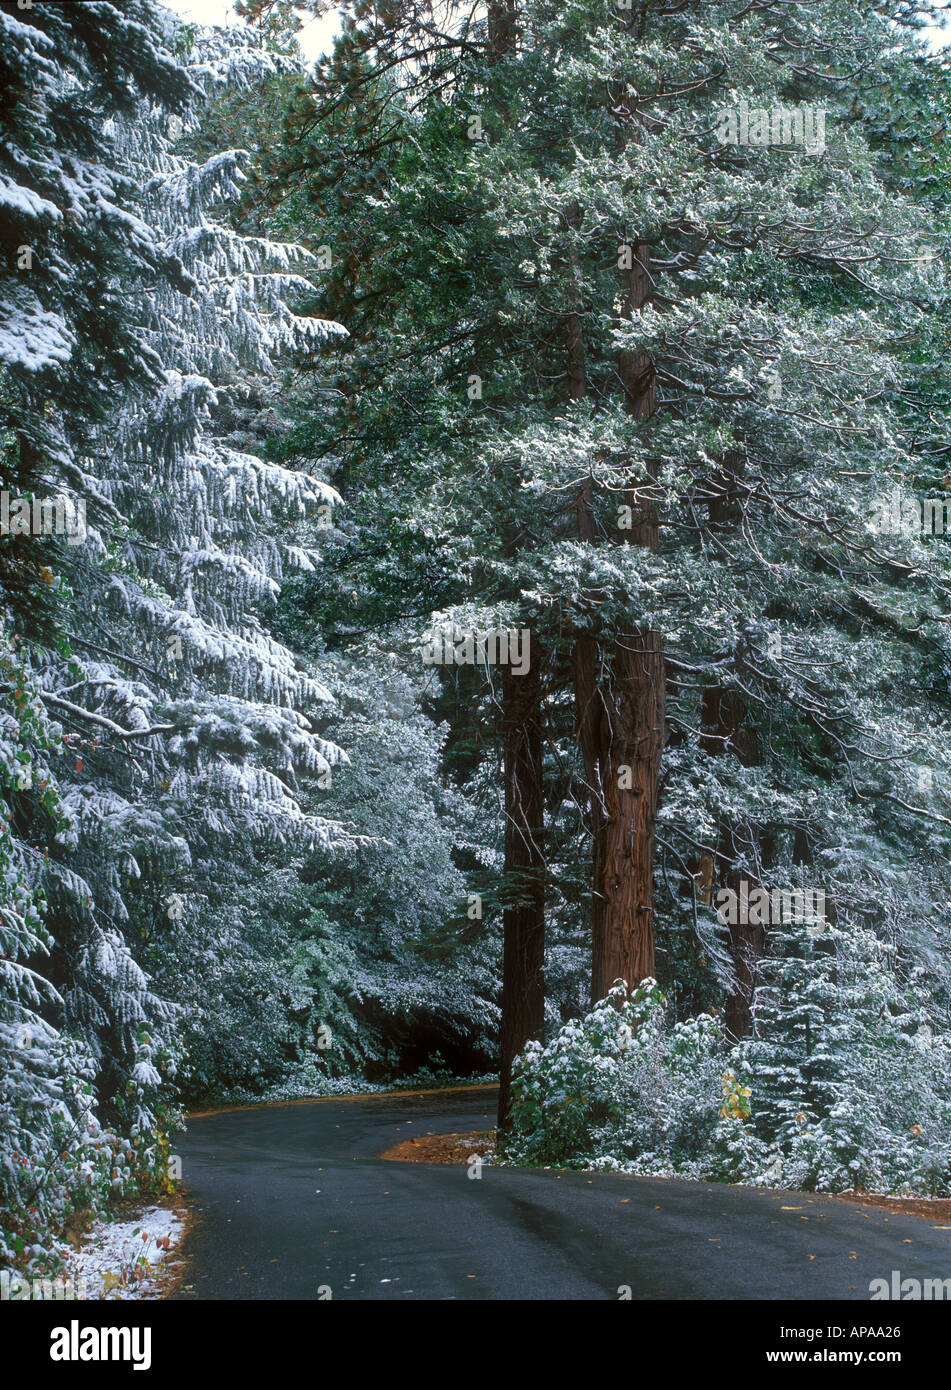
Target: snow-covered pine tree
(184, 720)
(848, 1075)
(68, 348)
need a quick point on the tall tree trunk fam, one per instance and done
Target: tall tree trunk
(586, 653)
(502, 29)
(586, 661)
(620, 704)
(632, 724)
(523, 916)
(523, 965)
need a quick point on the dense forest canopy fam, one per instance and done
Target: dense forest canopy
(474, 531)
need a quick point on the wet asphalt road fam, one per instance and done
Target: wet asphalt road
(292, 1200)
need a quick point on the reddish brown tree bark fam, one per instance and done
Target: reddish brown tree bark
(635, 721)
(523, 916)
(620, 701)
(586, 662)
(523, 964)
(502, 29)
(632, 718)
(586, 652)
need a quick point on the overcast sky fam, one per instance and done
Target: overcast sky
(315, 38)
(317, 35)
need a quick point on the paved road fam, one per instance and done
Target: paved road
(289, 1198)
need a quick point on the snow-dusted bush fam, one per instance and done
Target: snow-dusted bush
(843, 1086)
(623, 1088)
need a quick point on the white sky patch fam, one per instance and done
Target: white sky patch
(939, 38)
(315, 38)
(317, 35)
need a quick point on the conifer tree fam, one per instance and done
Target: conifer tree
(136, 645)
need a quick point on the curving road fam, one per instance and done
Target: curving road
(291, 1199)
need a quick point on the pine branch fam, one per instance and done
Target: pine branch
(113, 728)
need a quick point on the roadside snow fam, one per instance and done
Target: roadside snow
(127, 1259)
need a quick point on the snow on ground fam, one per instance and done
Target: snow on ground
(127, 1259)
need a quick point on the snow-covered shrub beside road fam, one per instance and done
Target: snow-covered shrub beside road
(842, 1085)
